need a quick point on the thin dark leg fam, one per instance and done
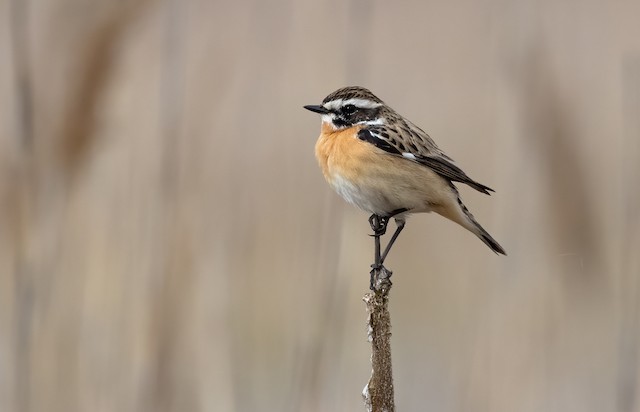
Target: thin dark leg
(377, 257)
(400, 225)
(377, 262)
(392, 240)
(379, 227)
(397, 212)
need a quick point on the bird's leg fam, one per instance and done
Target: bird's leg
(379, 223)
(392, 240)
(379, 226)
(400, 226)
(397, 212)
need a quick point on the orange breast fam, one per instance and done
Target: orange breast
(374, 180)
(340, 152)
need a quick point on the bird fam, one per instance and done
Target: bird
(379, 161)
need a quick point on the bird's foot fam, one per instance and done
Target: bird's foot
(378, 224)
(380, 280)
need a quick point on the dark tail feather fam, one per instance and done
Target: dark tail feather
(489, 241)
(471, 224)
(480, 187)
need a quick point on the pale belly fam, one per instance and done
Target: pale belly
(389, 185)
(366, 198)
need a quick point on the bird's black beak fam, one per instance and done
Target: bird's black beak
(317, 109)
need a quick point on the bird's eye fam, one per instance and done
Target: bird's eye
(349, 109)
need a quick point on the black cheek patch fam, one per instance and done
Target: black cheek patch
(338, 122)
(369, 137)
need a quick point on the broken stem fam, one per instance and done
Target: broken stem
(378, 393)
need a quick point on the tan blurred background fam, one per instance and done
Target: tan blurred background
(167, 242)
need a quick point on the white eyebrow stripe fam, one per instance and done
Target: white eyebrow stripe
(333, 104)
(361, 103)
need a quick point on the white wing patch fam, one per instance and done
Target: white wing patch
(409, 155)
(375, 122)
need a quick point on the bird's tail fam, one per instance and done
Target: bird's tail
(464, 218)
(487, 239)
(479, 231)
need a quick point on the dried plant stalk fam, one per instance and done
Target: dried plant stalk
(378, 393)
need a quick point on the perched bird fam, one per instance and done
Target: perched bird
(384, 164)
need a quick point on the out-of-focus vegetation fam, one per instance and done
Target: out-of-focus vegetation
(167, 242)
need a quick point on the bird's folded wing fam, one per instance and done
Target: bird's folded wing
(450, 171)
(419, 147)
(375, 138)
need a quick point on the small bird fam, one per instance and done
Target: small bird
(382, 163)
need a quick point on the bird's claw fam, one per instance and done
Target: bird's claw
(378, 224)
(380, 278)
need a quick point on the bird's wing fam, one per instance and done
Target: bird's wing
(450, 171)
(379, 137)
(403, 138)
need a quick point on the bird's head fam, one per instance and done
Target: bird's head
(350, 106)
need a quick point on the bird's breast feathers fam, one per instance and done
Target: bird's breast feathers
(340, 153)
(372, 179)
